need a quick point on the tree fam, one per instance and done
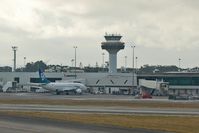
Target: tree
(6, 69)
(34, 67)
(161, 69)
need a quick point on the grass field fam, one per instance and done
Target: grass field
(133, 104)
(178, 124)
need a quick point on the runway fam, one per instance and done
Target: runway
(19, 124)
(49, 96)
(98, 110)
(10, 124)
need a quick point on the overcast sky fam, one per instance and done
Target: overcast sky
(162, 30)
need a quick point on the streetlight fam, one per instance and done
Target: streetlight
(133, 47)
(125, 61)
(72, 62)
(24, 61)
(179, 64)
(14, 48)
(75, 47)
(136, 61)
(103, 61)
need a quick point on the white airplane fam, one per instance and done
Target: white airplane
(66, 88)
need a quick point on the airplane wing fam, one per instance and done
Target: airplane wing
(70, 88)
(33, 84)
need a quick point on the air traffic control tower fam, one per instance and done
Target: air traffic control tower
(112, 45)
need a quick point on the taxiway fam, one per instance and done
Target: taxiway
(12, 124)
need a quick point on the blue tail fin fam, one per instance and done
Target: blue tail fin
(43, 77)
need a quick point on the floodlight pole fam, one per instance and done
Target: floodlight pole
(14, 48)
(75, 47)
(133, 47)
(179, 64)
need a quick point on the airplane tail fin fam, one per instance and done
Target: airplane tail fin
(43, 77)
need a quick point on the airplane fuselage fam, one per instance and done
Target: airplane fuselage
(61, 87)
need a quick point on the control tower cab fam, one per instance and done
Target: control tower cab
(112, 45)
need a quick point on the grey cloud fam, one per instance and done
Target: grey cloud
(57, 26)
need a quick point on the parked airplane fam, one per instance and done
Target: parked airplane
(66, 88)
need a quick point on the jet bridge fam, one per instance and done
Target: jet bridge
(153, 87)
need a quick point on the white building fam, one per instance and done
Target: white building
(104, 82)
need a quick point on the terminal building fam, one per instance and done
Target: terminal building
(96, 82)
(179, 83)
(111, 82)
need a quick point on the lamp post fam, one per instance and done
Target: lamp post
(136, 61)
(75, 47)
(24, 61)
(179, 63)
(103, 61)
(133, 47)
(14, 48)
(72, 60)
(125, 62)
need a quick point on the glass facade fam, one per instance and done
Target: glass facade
(174, 80)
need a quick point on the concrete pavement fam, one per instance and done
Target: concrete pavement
(12, 124)
(93, 109)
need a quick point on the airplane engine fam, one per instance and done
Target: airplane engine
(78, 91)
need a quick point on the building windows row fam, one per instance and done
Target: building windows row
(176, 80)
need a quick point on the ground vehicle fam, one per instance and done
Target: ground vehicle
(144, 95)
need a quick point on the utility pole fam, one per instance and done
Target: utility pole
(14, 48)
